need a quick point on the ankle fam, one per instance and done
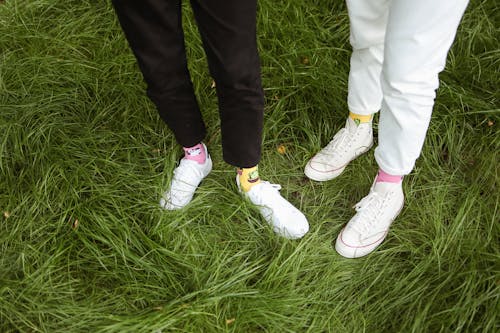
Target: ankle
(360, 118)
(196, 153)
(385, 177)
(248, 177)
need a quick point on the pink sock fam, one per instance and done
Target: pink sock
(195, 153)
(385, 177)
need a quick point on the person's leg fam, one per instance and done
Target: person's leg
(153, 29)
(228, 31)
(368, 20)
(419, 35)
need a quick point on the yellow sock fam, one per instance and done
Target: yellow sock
(360, 118)
(248, 177)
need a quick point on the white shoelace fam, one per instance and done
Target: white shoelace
(368, 209)
(265, 192)
(338, 140)
(182, 174)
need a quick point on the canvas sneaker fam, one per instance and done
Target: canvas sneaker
(286, 220)
(374, 215)
(187, 176)
(350, 142)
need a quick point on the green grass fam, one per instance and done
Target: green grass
(79, 141)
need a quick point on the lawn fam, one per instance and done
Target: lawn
(84, 157)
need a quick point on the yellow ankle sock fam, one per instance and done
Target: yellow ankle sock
(360, 118)
(248, 177)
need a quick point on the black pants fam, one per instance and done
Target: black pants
(228, 29)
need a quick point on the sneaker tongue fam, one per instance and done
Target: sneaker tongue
(350, 124)
(385, 187)
(187, 162)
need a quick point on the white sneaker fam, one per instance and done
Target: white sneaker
(187, 176)
(350, 142)
(368, 228)
(286, 220)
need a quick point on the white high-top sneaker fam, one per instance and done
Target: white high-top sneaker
(375, 213)
(350, 142)
(286, 220)
(187, 176)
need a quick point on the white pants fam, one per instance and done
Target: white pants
(399, 48)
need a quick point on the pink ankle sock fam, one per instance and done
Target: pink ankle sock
(385, 177)
(195, 153)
